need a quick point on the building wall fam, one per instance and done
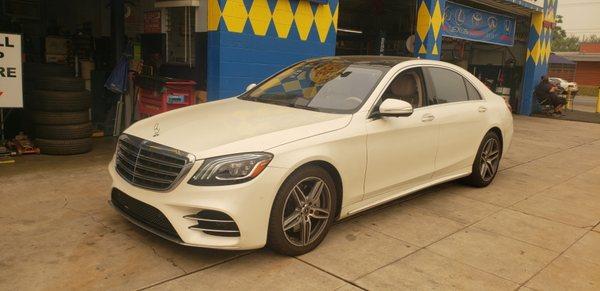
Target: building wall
(588, 73)
(249, 40)
(562, 71)
(538, 53)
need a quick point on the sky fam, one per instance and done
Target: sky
(580, 17)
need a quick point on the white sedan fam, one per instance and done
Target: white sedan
(319, 141)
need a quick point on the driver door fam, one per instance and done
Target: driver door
(401, 150)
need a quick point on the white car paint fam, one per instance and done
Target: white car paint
(378, 160)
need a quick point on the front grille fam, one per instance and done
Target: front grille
(149, 165)
(214, 223)
(143, 213)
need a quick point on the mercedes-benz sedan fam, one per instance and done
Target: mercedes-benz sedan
(319, 141)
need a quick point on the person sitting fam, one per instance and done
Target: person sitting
(546, 91)
(404, 87)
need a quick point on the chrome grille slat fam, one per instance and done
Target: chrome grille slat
(145, 157)
(149, 165)
(144, 167)
(136, 174)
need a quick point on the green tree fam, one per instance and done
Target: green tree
(560, 41)
(591, 39)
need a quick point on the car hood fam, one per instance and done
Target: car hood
(233, 125)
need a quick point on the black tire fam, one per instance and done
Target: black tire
(59, 101)
(64, 147)
(60, 84)
(60, 118)
(278, 239)
(479, 177)
(62, 132)
(36, 70)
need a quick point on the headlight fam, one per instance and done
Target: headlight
(232, 169)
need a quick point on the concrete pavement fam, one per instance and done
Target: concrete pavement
(537, 226)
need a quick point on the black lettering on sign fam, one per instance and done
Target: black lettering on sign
(8, 72)
(11, 72)
(6, 42)
(1, 55)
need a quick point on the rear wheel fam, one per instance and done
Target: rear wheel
(487, 161)
(303, 211)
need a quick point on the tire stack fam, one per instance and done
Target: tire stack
(60, 113)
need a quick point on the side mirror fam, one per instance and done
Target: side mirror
(250, 87)
(395, 108)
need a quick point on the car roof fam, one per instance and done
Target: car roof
(388, 61)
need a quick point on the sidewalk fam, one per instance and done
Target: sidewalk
(536, 226)
(584, 110)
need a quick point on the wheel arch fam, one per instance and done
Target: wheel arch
(337, 180)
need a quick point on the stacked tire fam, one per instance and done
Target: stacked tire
(60, 113)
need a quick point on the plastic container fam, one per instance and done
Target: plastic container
(163, 94)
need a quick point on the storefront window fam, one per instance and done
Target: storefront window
(180, 35)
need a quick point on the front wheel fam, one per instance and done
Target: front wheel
(487, 161)
(303, 211)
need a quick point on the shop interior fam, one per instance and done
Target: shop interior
(378, 27)
(499, 67)
(157, 42)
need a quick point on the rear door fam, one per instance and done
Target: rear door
(460, 113)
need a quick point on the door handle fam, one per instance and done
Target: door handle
(482, 109)
(427, 117)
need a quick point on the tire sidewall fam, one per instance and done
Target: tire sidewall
(475, 178)
(276, 239)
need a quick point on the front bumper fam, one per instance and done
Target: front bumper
(248, 204)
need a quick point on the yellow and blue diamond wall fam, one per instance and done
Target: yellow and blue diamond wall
(430, 18)
(249, 40)
(538, 53)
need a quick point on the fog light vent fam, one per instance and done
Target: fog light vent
(214, 223)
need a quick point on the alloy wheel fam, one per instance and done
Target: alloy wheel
(489, 160)
(307, 210)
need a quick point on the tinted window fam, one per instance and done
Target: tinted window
(445, 86)
(407, 86)
(473, 93)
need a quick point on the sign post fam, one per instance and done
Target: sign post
(11, 75)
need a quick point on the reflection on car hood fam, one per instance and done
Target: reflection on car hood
(233, 125)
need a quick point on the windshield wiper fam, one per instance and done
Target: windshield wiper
(286, 104)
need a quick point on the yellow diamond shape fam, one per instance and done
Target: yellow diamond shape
(535, 52)
(214, 15)
(437, 19)
(323, 19)
(304, 19)
(423, 20)
(335, 16)
(235, 15)
(260, 17)
(283, 18)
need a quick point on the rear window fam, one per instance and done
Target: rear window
(472, 91)
(445, 86)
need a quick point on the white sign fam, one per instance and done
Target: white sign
(11, 74)
(537, 3)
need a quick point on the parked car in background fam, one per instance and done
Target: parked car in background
(564, 85)
(319, 141)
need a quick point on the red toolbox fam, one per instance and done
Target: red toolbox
(158, 95)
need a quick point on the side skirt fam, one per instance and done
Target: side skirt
(387, 197)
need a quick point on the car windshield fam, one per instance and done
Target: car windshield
(326, 85)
